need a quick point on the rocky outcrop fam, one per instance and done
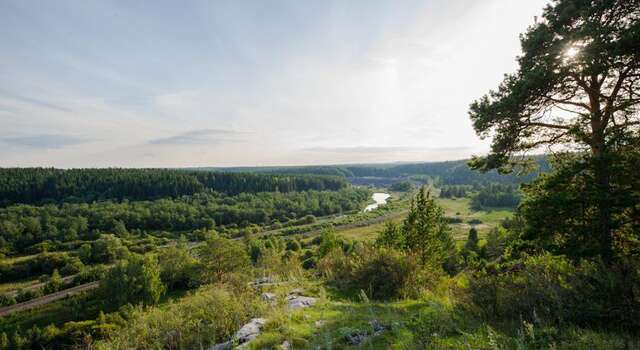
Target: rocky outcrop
(295, 302)
(243, 336)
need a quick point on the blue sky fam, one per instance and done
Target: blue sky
(219, 83)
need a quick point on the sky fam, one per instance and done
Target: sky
(249, 83)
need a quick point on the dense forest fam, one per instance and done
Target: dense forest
(49, 185)
(445, 173)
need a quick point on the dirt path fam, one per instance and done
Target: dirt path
(14, 292)
(48, 298)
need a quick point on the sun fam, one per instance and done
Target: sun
(572, 52)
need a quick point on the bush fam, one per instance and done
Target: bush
(7, 300)
(213, 314)
(133, 280)
(547, 288)
(28, 294)
(90, 274)
(382, 273)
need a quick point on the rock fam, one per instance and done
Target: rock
(243, 336)
(377, 327)
(270, 297)
(285, 345)
(356, 338)
(299, 302)
(249, 331)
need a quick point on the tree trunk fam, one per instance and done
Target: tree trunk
(602, 176)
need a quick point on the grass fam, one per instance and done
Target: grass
(436, 321)
(460, 208)
(14, 286)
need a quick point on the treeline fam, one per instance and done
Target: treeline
(50, 185)
(455, 191)
(496, 195)
(22, 226)
(445, 173)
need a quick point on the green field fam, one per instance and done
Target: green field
(458, 208)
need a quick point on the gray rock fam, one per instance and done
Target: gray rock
(249, 331)
(298, 302)
(285, 345)
(270, 297)
(243, 336)
(377, 327)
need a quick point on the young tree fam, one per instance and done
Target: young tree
(472, 241)
(426, 232)
(178, 269)
(221, 256)
(54, 284)
(577, 87)
(391, 236)
(135, 279)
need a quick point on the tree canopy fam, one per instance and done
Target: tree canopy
(576, 90)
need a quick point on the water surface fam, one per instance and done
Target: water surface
(379, 198)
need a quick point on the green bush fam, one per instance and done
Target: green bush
(28, 294)
(547, 288)
(7, 300)
(213, 314)
(382, 273)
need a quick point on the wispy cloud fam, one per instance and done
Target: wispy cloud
(45, 141)
(35, 102)
(199, 137)
(361, 149)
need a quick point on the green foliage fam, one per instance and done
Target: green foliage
(43, 263)
(496, 243)
(496, 196)
(220, 257)
(7, 300)
(178, 269)
(42, 228)
(135, 279)
(38, 185)
(425, 232)
(561, 209)
(329, 242)
(382, 273)
(54, 284)
(575, 89)
(404, 186)
(107, 249)
(391, 236)
(213, 314)
(552, 289)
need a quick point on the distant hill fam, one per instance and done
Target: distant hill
(453, 172)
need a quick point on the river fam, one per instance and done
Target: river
(379, 198)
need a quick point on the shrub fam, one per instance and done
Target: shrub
(7, 300)
(197, 321)
(28, 294)
(133, 280)
(547, 288)
(54, 284)
(382, 273)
